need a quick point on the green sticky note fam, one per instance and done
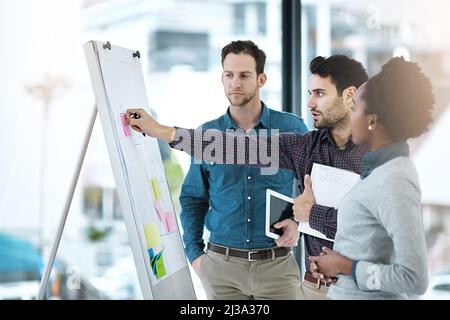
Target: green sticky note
(160, 268)
(156, 189)
(152, 235)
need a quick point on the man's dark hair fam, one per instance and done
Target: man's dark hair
(401, 96)
(247, 47)
(344, 71)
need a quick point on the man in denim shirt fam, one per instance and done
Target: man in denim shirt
(230, 200)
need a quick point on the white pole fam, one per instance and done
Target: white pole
(51, 259)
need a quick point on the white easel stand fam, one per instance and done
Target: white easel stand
(51, 259)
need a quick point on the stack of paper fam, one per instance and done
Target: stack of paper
(329, 186)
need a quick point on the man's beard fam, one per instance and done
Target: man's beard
(336, 117)
(243, 99)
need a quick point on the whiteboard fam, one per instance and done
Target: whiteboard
(144, 196)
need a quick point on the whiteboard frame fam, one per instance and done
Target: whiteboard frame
(92, 52)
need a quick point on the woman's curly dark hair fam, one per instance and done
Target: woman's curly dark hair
(401, 96)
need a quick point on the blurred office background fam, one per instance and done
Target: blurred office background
(46, 101)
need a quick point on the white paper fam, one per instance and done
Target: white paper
(330, 184)
(304, 227)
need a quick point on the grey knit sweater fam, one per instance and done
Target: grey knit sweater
(380, 226)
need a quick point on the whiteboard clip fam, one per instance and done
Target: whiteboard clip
(137, 54)
(107, 45)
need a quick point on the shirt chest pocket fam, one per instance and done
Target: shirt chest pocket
(222, 176)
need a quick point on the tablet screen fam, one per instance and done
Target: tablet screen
(279, 210)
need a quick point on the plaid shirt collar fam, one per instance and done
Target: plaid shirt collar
(327, 136)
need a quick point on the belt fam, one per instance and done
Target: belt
(315, 281)
(251, 255)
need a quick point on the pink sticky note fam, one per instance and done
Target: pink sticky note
(170, 219)
(125, 126)
(159, 211)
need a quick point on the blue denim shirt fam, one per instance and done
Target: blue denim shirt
(230, 200)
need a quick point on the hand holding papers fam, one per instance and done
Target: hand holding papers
(304, 203)
(329, 186)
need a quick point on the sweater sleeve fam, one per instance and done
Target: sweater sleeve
(400, 212)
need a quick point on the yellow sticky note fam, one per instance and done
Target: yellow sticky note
(152, 235)
(156, 189)
(160, 268)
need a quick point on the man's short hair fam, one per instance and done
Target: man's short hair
(344, 71)
(247, 47)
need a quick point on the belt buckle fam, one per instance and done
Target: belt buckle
(249, 255)
(318, 283)
(322, 282)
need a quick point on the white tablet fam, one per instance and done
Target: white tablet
(276, 206)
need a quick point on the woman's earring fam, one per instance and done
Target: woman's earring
(370, 128)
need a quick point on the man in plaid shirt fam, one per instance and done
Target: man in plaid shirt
(332, 86)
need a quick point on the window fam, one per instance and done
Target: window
(169, 49)
(250, 17)
(372, 33)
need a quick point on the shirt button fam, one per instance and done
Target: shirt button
(249, 198)
(249, 177)
(247, 240)
(248, 220)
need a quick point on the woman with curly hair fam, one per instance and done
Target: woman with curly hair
(380, 248)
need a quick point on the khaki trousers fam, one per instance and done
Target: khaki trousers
(308, 291)
(231, 278)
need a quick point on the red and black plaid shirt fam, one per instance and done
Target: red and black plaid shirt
(297, 152)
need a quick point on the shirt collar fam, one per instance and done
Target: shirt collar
(328, 136)
(264, 119)
(380, 156)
